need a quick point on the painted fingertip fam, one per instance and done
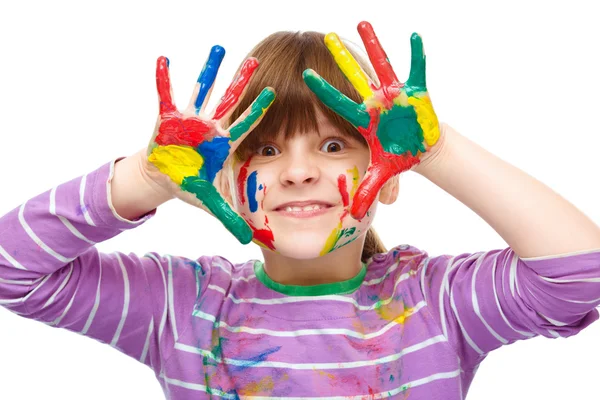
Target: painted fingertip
(364, 25)
(416, 38)
(266, 97)
(332, 39)
(252, 62)
(218, 50)
(309, 73)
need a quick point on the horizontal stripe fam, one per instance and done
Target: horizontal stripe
(310, 366)
(308, 332)
(381, 395)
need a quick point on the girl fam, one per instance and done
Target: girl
(329, 313)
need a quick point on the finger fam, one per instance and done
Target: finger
(336, 100)
(211, 199)
(163, 85)
(236, 89)
(377, 55)
(417, 63)
(207, 77)
(251, 117)
(348, 65)
(367, 191)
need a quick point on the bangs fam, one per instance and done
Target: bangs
(283, 57)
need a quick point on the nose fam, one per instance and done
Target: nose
(299, 169)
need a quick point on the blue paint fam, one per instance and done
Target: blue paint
(251, 192)
(260, 187)
(168, 62)
(215, 153)
(208, 74)
(256, 359)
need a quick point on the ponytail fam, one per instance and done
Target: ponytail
(373, 245)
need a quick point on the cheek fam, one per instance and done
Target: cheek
(251, 186)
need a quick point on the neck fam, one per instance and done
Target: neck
(337, 266)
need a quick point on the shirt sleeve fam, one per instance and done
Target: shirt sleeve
(51, 271)
(488, 299)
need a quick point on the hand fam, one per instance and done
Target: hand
(188, 149)
(396, 119)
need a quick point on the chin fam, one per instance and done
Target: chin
(301, 245)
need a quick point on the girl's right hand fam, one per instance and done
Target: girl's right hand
(189, 148)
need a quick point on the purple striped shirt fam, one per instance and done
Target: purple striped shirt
(408, 325)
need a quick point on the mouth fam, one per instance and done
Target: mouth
(307, 211)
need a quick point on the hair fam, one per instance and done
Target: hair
(283, 57)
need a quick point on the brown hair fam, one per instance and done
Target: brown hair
(283, 57)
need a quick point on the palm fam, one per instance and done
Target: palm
(396, 119)
(190, 148)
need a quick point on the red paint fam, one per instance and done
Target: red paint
(390, 86)
(383, 166)
(174, 129)
(242, 177)
(265, 236)
(343, 189)
(262, 205)
(236, 88)
(163, 85)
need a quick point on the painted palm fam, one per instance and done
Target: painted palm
(191, 147)
(396, 119)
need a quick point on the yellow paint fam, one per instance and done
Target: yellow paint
(326, 374)
(426, 118)
(355, 178)
(348, 65)
(389, 312)
(266, 384)
(177, 162)
(401, 99)
(331, 240)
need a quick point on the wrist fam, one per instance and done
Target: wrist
(133, 194)
(436, 154)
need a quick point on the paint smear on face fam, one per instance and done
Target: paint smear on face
(335, 236)
(355, 178)
(263, 237)
(242, 180)
(251, 191)
(343, 190)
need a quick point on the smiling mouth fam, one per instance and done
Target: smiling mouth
(304, 212)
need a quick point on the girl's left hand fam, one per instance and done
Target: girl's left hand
(396, 119)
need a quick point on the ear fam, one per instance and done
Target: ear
(389, 191)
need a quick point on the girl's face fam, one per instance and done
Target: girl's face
(295, 194)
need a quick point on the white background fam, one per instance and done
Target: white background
(77, 88)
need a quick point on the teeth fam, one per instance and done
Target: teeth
(306, 208)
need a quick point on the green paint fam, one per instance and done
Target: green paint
(391, 378)
(399, 131)
(344, 233)
(208, 195)
(416, 78)
(257, 110)
(352, 112)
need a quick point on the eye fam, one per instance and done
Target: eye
(333, 146)
(267, 150)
